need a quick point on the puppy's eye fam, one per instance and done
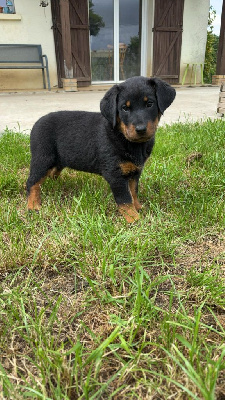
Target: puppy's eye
(149, 103)
(125, 108)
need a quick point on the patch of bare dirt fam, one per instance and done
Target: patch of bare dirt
(207, 251)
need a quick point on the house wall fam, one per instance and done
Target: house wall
(194, 36)
(30, 25)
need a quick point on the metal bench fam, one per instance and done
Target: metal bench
(24, 56)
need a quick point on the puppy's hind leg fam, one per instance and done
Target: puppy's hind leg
(34, 195)
(34, 182)
(54, 172)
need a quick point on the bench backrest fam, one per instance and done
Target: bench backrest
(20, 53)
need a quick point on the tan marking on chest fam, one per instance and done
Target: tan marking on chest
(128, 167)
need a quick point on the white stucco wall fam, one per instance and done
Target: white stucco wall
(30, 25)
(194, 36)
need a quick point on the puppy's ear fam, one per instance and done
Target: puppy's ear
(108, 105)
(165, 94)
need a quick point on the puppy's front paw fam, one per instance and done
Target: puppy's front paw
(129, 212)
(33, 206)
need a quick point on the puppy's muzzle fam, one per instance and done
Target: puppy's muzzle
(141, 129)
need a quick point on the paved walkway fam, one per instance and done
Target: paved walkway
(19, 111)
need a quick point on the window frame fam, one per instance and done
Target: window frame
(7, 8)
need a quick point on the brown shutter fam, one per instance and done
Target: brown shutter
(71, 35)
(167, 39)
(80, 41)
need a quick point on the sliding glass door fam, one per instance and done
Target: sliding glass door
(115, 39)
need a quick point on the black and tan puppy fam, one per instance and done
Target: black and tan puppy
(114, 143)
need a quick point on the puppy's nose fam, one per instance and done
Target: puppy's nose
(141, 129)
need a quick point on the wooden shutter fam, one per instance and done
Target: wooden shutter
(58, 39)
(167, 39)
(75, 40)
(79, 26)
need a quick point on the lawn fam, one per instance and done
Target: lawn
(94, 308)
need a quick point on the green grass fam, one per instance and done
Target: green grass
(93, 308)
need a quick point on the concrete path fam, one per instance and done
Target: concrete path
(19, 111)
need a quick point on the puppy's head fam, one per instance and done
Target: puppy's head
(136, 105)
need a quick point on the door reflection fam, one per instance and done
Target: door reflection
(103, 45)
(101, 21)
(130, 38)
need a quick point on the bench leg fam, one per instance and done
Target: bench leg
(47, 73)
(195, 67)
(192, 69)
(185, 73)
(201, 65)
(48, 79)
(43, 77)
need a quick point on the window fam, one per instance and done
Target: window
(115, 39)
(7, 7)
